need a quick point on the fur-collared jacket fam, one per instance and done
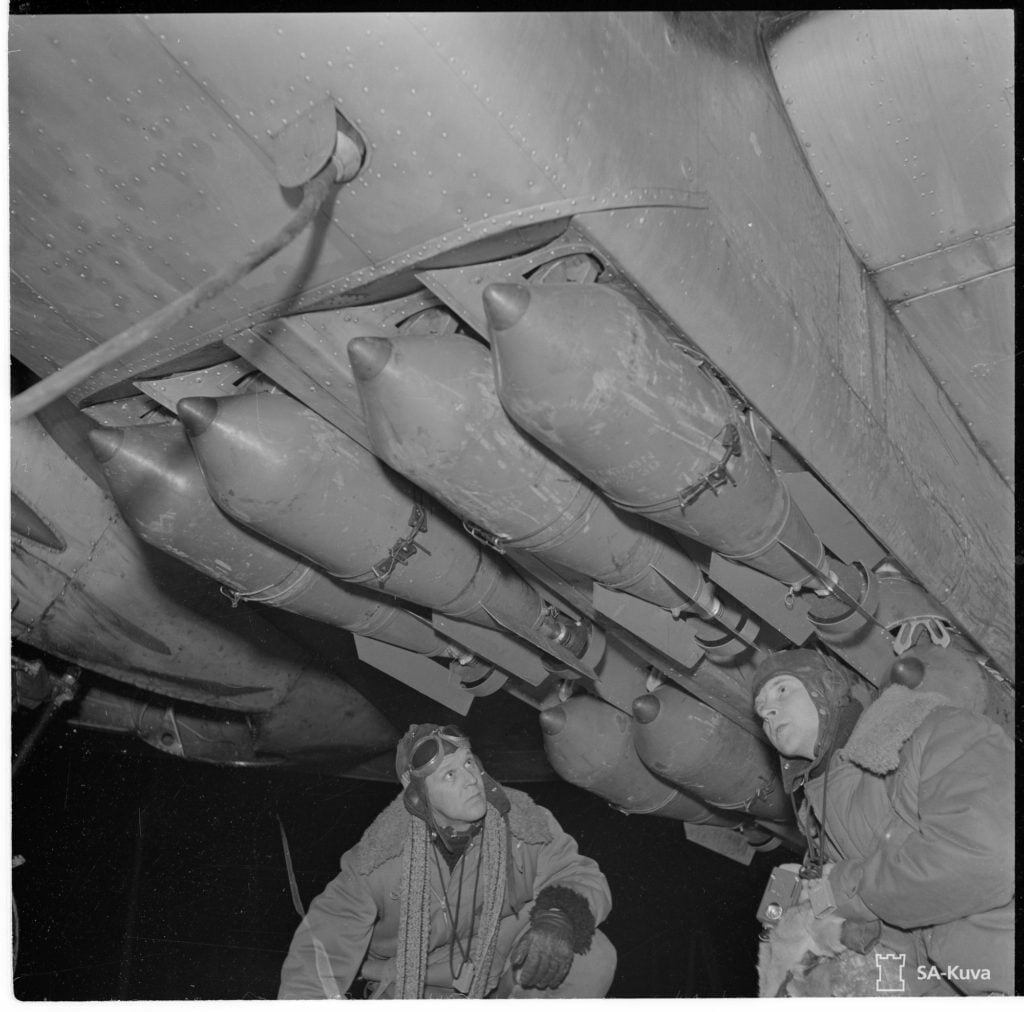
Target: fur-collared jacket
(918, 815)
(353, 923)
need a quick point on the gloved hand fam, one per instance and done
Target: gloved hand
(545, 952)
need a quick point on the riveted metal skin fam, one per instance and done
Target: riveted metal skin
(225, 380)
(159, 489)
(29, 524)
(281, 470)
(726, 205)
(604, 387)
(689, 744)
(114, 248)
(977, 378)
(591, 745)
(891, 178)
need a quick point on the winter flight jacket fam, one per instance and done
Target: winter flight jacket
(918, 810)
(353, 923)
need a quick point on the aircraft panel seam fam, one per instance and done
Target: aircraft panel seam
(475, 94)
(261, 156)
(89, 337)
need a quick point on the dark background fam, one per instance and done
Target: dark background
(150, 877)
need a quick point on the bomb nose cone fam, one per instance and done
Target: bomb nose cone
(368, 356)
(505, 304)
(197, 413)
(552, 721)
(105, 443)
(646, 708)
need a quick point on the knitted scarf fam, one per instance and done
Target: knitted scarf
(414, 912)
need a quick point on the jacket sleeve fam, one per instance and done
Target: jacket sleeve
(561, 863)
(957, 858)
(330, 943)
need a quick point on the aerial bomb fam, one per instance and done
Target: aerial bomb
(591, 744)
(280, 469)
(158, 487)
(610, 390)
(687, 743)
(853, 633)
(432, 413)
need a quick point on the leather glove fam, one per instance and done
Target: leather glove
(545, 952)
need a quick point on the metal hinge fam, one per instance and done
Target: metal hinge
(404, 548)
(718, 475)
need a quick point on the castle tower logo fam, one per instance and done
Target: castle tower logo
(890, 972)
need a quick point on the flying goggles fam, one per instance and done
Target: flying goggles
(432, 750)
